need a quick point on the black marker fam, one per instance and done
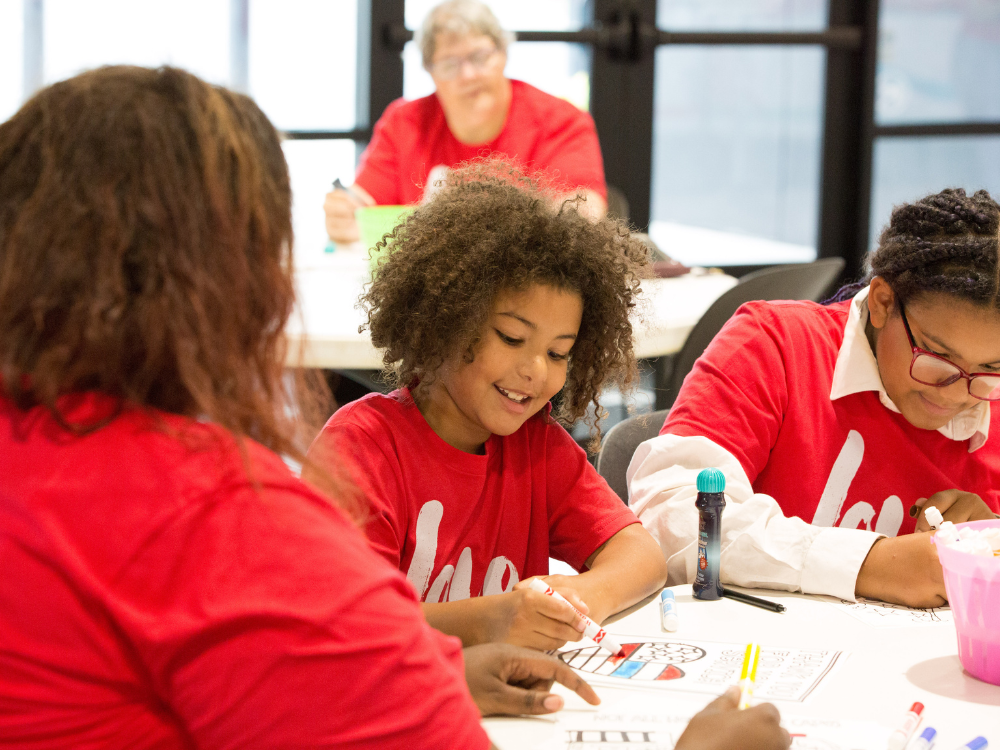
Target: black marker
(755, 601)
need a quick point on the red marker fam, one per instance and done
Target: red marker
(899, 738)
(593, 631)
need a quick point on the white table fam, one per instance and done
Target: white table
(323, 330)
(885, 671)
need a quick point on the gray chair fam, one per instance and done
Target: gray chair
(619, 445)
(800, 281)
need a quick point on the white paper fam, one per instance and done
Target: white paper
(670, 663)
(628, 725)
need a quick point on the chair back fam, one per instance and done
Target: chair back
(619, 445)
(799, 281)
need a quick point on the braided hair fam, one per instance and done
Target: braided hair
(947, 242)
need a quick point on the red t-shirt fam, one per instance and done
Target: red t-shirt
(462, 525)
(152, 597)
(762, 391)
(542, 133)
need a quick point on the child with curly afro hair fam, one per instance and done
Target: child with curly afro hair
(490, 300)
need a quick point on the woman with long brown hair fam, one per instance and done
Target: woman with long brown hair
(167, 581)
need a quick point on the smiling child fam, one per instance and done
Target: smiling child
(491, 301)
(836, 425)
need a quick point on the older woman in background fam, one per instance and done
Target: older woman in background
(474, 109)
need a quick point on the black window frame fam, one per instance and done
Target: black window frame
(623, 37)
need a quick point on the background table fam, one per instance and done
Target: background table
(323, 330)
(884, 672)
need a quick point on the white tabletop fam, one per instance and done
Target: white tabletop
(323, 330)
(886, 669)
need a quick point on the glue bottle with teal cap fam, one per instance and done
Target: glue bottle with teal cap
(710, 503)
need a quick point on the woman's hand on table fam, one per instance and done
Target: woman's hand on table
(955, 506)
(505, 679)
(903, 570)
(722, 726)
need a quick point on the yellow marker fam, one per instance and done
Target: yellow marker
(749, 673)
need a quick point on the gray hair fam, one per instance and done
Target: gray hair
(461, 18)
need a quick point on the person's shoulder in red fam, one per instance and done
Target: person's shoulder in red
(797, 316)
(167, 564)
(387, 422)
(768, 355)
(547, 112)
(554, 136)
(763, 338)
(376, 408)
(411, 115)
(780, 328)
(385, 169)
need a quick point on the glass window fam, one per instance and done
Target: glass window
(11, 56)
(905, 169)
(742, 15)
(556, 68)
(528, 15)
(313, 166)
(938, 61)
(191, 34)
(736, 153)
(303, 62)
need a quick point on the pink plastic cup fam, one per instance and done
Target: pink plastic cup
(973, 587)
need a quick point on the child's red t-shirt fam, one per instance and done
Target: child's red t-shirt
(464, 525)
(542, 133)
(151, 596)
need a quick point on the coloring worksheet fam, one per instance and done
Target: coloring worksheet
(644, 726)
(670, 663)
(883, 615)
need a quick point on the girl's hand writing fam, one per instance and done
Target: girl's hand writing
(955, 506)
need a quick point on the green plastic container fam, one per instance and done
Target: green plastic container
(374, 222)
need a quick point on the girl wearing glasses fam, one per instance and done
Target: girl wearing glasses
(474, 109)
(836, 425)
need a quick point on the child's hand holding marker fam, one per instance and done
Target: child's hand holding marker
(527, 617)
(591, 629)
(953, 505)
(722, 726)
(748, 675)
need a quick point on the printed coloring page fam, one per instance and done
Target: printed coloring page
(883, 615)
(657, 663)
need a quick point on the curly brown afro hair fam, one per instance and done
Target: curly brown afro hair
(489, 229)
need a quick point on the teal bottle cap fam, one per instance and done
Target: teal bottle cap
(711, 480)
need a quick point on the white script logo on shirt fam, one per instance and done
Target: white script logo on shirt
(454, 581)
(831, 502)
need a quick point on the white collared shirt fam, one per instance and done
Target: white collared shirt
(857, 371)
